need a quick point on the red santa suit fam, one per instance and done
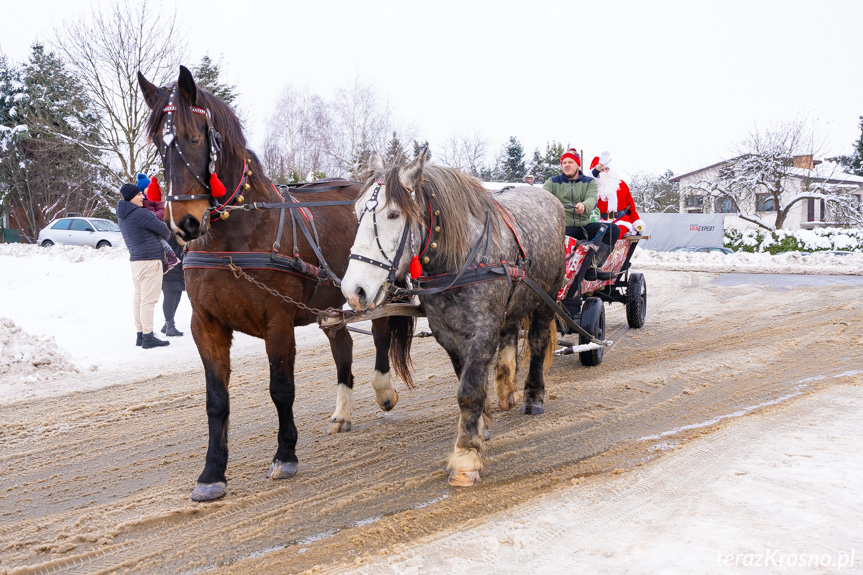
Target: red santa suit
(613, 196)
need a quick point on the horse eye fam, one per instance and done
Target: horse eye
(393, 215)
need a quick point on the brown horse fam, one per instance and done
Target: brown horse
(286, 265)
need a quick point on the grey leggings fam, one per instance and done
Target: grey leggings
(170, 302)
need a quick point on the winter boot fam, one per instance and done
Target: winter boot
(149, 340)
(138, 338)
(170, 330)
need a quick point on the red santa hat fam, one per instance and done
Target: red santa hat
(571, 153)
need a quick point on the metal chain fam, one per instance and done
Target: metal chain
(332, 312)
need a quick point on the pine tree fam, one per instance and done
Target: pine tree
(510, 165)
(854, 162)
(207, 76)
(395, 154)
(50, 145)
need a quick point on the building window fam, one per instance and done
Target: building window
(765, 203)
(694, 201)
(725, 205)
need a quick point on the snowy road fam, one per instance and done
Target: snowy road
(100, 479)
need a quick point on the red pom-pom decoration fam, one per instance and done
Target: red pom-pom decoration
(217, 188)
(416, 268)
(154, 192)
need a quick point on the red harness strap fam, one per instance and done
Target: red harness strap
(509, 220)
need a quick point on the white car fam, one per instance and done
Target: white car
(94, 232)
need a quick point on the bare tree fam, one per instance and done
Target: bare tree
(774, 172)
(297, 140)
(106, 52)
(359, 123)
(466, 152)
(655, 194)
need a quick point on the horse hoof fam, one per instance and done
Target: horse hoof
(282, 470)
(209, 491)
(532, 409)
(388, 404)
(463, 478)
(338, 426)
(511, 401)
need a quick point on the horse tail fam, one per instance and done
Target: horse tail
(524, 328)
(551, 347)
(401, 337)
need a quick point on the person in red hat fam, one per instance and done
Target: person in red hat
(614, 197)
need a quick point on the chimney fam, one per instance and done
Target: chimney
(804, 162)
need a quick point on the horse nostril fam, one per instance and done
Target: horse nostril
(361, 295)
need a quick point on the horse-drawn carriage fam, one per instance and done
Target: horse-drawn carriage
(482, 264)
(611, 282)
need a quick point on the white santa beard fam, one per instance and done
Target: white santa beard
(606, 187)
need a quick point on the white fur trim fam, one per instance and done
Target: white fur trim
(606, 187)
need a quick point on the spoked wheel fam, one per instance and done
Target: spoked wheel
(636, 301)
(593, 322)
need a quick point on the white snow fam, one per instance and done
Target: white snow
(66, 325)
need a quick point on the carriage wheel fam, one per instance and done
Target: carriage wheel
(593, 321)
(636, 301)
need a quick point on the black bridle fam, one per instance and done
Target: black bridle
(390, 265)
(214, 139)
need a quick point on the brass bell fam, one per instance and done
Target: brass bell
(437, 212)
(249, 173)
(437, 228)
(224, 215)
(246, 186)
(433, 245)
(240, 199)
(425, 259)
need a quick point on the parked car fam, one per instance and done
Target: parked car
(703, 250)
(94, 232)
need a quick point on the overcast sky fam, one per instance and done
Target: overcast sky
(661, 84)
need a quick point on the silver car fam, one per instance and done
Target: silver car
(94, 232)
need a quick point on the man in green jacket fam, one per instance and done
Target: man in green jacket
(578, 194)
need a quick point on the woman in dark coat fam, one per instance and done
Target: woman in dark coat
(173, 286)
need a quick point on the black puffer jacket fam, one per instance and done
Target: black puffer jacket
(174, 280)
(141, 230)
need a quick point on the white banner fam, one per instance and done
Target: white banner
(668, 231)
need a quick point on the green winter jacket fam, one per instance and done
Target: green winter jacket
(570, 192)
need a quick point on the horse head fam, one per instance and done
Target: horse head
(389, 233)
(201, 144)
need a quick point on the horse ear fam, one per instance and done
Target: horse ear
(411, 176)
(187, 86)
(151, 92)
(376, 162)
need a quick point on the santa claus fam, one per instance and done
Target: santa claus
(613, 197)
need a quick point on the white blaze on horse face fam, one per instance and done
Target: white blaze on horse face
(364, 284)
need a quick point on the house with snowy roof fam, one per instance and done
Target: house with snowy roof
(774, 192)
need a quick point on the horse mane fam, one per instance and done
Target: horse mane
(460, 198)
(223, 117)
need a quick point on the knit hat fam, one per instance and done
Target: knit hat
(571, 153)
(143, 182)
(129, 191)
